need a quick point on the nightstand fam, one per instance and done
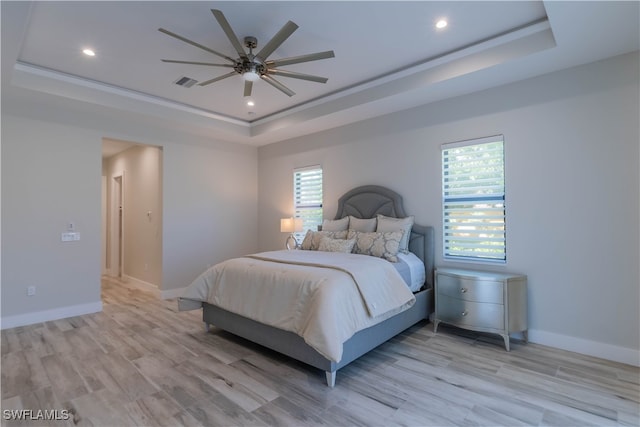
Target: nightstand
(481, 301)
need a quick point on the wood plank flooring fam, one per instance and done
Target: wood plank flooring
(141, 362)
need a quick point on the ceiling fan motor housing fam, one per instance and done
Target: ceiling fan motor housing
(250, 42)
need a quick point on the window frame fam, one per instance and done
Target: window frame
(474, 240)
(308, 223)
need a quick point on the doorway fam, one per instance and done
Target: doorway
(133, 243)
(117, 227)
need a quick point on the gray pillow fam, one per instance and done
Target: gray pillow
(335, 224)
(364, 225)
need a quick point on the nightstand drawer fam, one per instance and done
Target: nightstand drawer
(469, 313)
(470, 289)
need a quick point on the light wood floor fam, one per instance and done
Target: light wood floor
(140, 362)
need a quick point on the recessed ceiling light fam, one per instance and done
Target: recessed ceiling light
(88, 52)
(441, 23)
(250, 103)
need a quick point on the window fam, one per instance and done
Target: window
(307, 198)
(473, 200)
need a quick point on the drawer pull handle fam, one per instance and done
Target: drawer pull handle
(463, 290)
(464, 313)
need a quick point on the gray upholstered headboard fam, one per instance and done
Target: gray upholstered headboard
(369, 200)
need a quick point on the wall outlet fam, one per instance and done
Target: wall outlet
(31, 291)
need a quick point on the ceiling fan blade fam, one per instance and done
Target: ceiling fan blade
(301, 58)
(224, 76)
(229, 32)
(273, 82)
(198, 45)
(175, 61)
(248, 85)
(277, 40)
(292, 74)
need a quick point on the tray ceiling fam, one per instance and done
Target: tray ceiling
(388, 56)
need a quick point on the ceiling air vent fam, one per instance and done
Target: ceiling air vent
(185, 82)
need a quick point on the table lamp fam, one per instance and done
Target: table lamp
(291, 225)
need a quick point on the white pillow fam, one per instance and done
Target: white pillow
(386, 223)
(335, 224)
(328, 244)
(363, 225)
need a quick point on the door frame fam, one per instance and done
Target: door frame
(117, 233)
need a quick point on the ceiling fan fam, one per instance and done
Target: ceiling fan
(254, 67)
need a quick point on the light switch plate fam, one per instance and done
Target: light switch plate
(70, 237)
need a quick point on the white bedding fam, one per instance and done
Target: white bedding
(411, 269)
(324, 297)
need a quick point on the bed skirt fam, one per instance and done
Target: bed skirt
(292, 345)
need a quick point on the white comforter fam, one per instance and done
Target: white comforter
(325, 297)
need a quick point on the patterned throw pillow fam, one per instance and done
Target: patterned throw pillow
(328, 244)
(387, 223)
(379, 244)
(311, 240)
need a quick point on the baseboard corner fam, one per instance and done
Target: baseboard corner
(7, 322)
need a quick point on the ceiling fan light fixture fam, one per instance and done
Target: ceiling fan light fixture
(251, 75)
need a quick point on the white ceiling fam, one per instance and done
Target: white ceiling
(388, 56)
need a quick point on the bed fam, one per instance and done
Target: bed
(362, 203)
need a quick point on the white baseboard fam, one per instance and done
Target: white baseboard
(172, 293)
(54, 314)
(162, 294)
(142, 284)
(626, 355)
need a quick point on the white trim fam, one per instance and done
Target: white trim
(307, 168)
(473, 141)
(140, 283)
(48, 315)
(95, 87)
(615, 353)
(172, 293)
(502, 40)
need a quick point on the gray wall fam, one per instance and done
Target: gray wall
(572, 184)
(51, 174)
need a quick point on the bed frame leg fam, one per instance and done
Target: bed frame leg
(331, 378)
(206, 327)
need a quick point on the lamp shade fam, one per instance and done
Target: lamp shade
(290, 225)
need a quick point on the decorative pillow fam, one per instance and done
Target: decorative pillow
(328, 244)
(311, 240)
(364, 225)
(387, 223)
(379, 244)
(335, 224)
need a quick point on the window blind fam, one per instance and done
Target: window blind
(307, 198)
(474, 200)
